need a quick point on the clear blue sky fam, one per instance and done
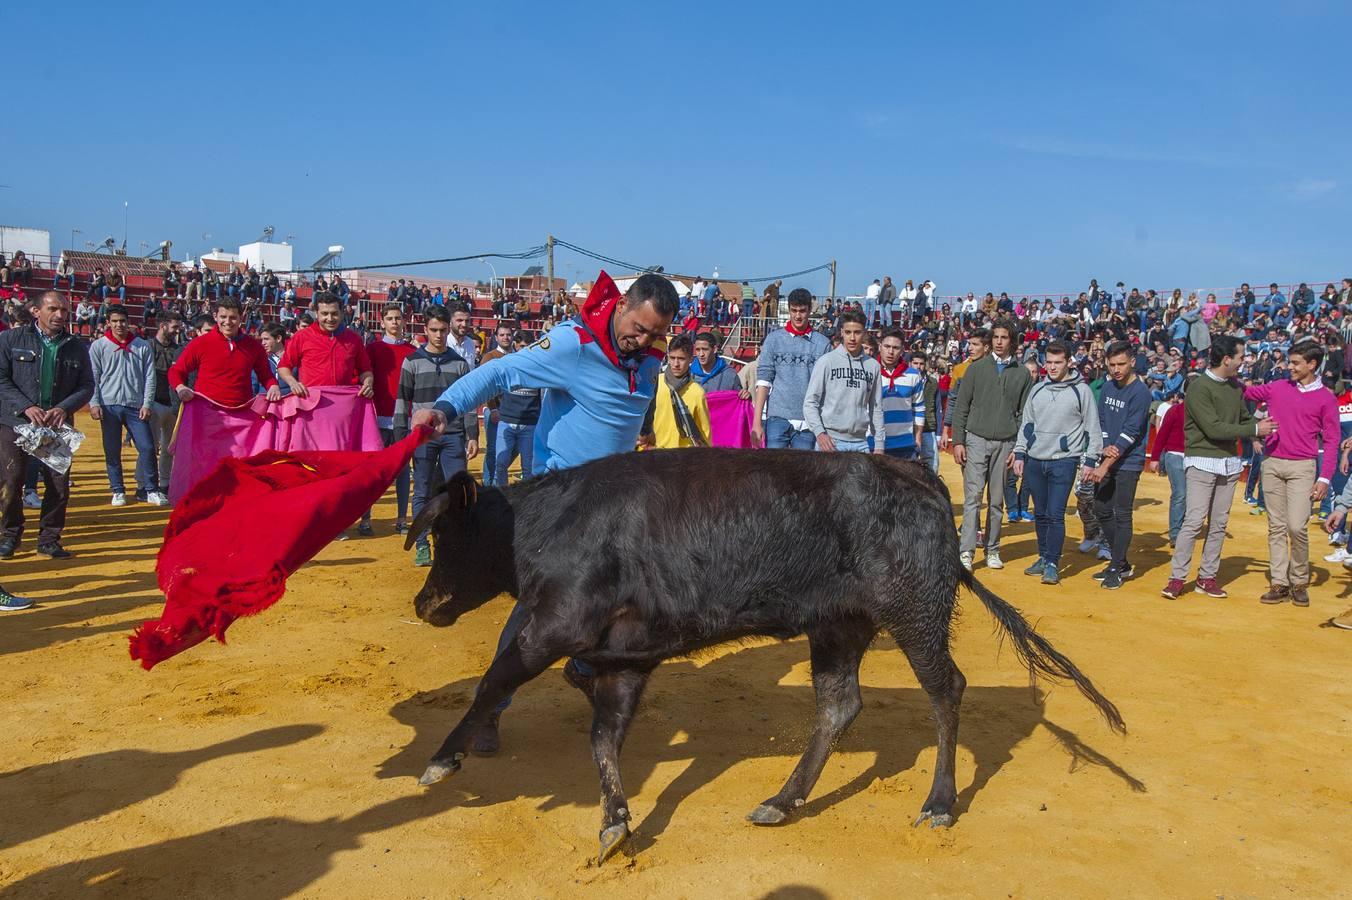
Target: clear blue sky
(989, 146)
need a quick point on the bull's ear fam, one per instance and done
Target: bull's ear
(463, 490)
(437, 504)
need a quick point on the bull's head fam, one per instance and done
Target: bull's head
(470, 529)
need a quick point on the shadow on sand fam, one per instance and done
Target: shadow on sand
(711, 717)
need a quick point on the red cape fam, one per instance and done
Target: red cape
(237, 535)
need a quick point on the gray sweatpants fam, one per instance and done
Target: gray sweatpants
(984, 473)
(162, 421)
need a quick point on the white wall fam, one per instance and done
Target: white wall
(276, 257)
(32, 241)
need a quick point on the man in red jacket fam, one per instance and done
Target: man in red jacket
(387, 357)
(326, 354)
(1166, 458)
(224, 359)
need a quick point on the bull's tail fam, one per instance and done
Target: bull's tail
(1038, 654)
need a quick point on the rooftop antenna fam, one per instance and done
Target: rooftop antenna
(268, 232)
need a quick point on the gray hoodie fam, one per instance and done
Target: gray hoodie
(122, 377)
(1060, 420)
(844, 397)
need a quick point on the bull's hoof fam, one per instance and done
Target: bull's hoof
(765, 814)
(439, 771)
(939, 820)
(611, 839)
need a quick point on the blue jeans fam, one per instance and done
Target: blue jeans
(886, 310)
(433, 463)
(1016, 495)
(1049, 482)
(848, 446)
(401, 481)
(121, 292)
(1178, 491)
(1339, 479)
(870, 310)
(489, 431)
(114, 419)
(513, 441)
(929, 451)
(780, 435)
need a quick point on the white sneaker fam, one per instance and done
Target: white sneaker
(993, 560)
(966, 559)
(155, 498)
(1338, 555)
(119, 499)
(31, 500)
(1347, 563)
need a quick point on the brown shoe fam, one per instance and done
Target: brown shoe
(1299, 597)
(488, 741)
(1343, 621)
(1278, 593)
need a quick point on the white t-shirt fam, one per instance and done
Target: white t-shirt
(874, 291)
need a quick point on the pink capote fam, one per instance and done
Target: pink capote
(730, 419)
(330, 418)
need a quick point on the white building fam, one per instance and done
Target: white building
(34, 242)
(263, 255)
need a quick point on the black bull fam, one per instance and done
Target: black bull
(638, 558)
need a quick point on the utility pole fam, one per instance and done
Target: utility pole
(833, 279)
(549, 245)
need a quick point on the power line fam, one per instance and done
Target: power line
(532, 253)
(610, 260)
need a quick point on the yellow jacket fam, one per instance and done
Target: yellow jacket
(665, 432)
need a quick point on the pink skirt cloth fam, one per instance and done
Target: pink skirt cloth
(330, 418)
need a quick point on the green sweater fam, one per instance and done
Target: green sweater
(1215, 417)
(989, 402)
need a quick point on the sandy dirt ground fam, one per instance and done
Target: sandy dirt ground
(285, 763)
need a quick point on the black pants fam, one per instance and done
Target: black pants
(1113, 500)
(55, 494)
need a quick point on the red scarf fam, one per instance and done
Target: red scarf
(594, 326)
(896, 373)
(125, 347)
(788, 326)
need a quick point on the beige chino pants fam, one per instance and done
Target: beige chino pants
(1286, 492)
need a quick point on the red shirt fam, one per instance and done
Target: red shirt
(386, 361)
(1169, 437)
(317, 358)
(223, 367)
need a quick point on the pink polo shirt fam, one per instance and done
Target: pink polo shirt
(1303, 413)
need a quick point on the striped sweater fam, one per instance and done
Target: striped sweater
(422, 379)
(903, 406)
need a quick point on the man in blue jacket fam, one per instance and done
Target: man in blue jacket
(598, 373)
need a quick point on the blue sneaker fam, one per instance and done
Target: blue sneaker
(1036, 568)
(11, 603)
(1050, 575)
(1029, 517)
